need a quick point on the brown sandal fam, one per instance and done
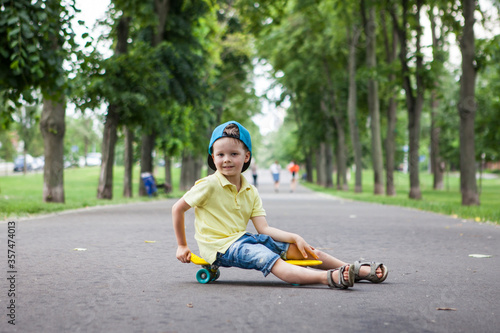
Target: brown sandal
(343, 284)
(372, 276)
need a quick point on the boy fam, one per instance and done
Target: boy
(224, 203)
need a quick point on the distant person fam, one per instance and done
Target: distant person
(221, 223)
(294, 170)
(275, 172)
(253, 166)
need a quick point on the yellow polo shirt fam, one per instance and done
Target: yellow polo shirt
(221, 213)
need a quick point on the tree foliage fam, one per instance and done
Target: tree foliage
(28, 59)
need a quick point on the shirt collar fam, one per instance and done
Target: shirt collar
(245, 185)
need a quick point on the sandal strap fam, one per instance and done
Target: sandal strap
(332, 284)
(343, 284)
(372, 276)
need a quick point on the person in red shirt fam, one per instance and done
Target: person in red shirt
(294, 168)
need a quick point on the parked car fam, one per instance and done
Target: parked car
(93, 159)
(19, 163)
(38, 163)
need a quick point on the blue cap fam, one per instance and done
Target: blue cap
(218, 133)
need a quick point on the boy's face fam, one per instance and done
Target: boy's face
(229, 155)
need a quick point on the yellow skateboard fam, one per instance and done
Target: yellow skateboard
(211, 273)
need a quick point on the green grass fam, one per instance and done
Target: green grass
(447, 201)
(22, 195)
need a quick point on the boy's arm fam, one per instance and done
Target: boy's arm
(183, 252)
(263, 227)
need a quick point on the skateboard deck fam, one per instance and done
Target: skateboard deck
(211, 273)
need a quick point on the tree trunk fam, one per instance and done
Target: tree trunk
(437, 163)
(351, 108)
(341, 159)
(168, 168)
(162, 8)
(105, 187)
(329, 164)
(109, 137)
(168, 173)
(373, 103)
(128, 161)
(147, 146)
(390, 147)
(414, 113)
(328, 151)
(338, 121)
(53, 128)
(467, 108)
(414, 103)
(190, 171)
(309, 167)
(390, 141)
(321, 164)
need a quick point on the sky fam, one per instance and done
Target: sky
(91, 10)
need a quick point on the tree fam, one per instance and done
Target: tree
(177, 37)
(467, 107)
(353, 34)
(437, 162)
(373, 96)
(55, 89)
(128, 162)
(307, 59)
(32, 35)
(24, 46)
(105, 187)
(390, 48)
(414, 96)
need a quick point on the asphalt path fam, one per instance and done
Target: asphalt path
(113, 269)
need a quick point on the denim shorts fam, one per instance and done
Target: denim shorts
(251, 251)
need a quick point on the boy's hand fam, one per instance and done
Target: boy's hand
(183, 254)
(305, 248)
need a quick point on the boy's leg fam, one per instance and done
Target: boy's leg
(301, 275)
(329, 262)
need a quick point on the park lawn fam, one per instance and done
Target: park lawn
(21, 195)
(447, 201)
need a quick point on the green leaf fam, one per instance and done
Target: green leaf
(60, 81)
(27, 33)
(13, 32)
(42, 16)
(31, 48)
(14, 65)
(13, 20)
